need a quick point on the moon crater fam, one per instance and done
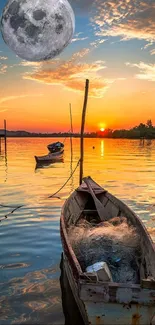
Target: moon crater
(17, 21)
(14, 8)
(37, 30)
(39, 14)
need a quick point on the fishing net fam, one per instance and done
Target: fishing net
(114, 242)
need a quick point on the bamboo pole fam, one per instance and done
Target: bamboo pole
(5, 136)
(71, 118)
(71, 133)
(82, 130)
(5, 128)
(71, 145)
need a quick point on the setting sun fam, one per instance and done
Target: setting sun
(102, 129)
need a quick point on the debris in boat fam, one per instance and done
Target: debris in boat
(102, 271)
(114, 242)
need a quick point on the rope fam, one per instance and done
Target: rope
(66, 181)
(66, 136)
(8, 206)
(14, 209)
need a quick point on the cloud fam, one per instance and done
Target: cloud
(80, 54)
(8, 98)
(72, 74)
(152, 52)
(3, 58)
(147, 45)
(3, 110)
(97, 42)
(3, 68)
(147, 71)
(79, 39)
(34, 65)
(127, 19)
(29, 64)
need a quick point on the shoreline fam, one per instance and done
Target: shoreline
(76, 136)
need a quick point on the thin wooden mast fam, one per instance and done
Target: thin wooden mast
(82, 130)
(71, 134)
(71, 121)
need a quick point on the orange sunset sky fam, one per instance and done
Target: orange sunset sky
(113, 46)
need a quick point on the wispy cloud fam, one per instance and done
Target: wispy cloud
(29, 64)
(152, 52)
(72, 74)
(76, 39)
(97, 42)
(79, 37)
(147, 71)
(26, 64)
(3, 68)
(80, 54)
(8, 98)
(127, 19)
(3, 58)
(34, 65)
(148, 44)
(3, 110)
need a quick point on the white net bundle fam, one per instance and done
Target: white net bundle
(113, 241)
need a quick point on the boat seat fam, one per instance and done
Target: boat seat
(87, 211)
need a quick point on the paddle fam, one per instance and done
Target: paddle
(98, 204)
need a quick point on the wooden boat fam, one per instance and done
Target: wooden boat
(55, 147)
(101, 302)
(51, 157)
(47, 164)
(70, 308)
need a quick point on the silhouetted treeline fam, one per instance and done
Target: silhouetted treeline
(144, 131)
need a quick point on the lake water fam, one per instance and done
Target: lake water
(30, 246)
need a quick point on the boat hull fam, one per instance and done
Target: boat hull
(74, 288)
(108, 303)
(95, 309)
(69, 304)
(51, 157)
(118, 314)
(55, 147)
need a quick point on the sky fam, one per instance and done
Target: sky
(113, 46)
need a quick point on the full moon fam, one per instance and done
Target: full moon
(37, 30)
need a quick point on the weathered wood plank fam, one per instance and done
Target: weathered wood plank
(118, 314)
(119, 294)
(148, 283)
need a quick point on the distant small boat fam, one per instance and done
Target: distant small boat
(106, 301)
(51, 157)
(55, 147)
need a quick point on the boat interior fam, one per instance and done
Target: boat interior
(82, 207)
